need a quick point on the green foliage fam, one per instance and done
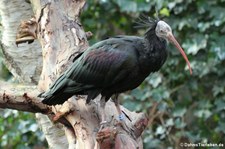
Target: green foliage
(19, 130)
(191, 107)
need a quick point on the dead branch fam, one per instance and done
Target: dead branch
(22, 98)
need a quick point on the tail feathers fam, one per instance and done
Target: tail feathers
(64, 88)
(60, 96)
(56, 99)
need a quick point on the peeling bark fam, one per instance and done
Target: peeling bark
(81, 120)
(24, 61)
(27, 31)
(23, 98)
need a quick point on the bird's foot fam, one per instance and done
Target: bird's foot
(126, 128)
(122, 123)
(106, 137)
(103, 124)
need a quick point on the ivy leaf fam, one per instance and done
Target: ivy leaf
(204, 113)
(154, 79)
(179, 112)
(132, 6)
(164, 12)
(220, 105)
(160, 130)
(179, 123)
(217, 89)
(193, 46)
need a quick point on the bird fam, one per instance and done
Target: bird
(115, 65)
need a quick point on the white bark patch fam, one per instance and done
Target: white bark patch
(27, 61)
(75, 36)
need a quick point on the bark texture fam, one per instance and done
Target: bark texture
(20, 97)
(24, 61)
(57, 27)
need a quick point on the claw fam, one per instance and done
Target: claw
(103, 122)
(102, 125)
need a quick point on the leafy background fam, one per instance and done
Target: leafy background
(182, 108)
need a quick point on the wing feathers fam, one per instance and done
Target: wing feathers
(100, 66)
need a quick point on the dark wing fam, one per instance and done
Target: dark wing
(105, 63)
(100, 66)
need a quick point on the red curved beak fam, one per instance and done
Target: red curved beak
(172, 39)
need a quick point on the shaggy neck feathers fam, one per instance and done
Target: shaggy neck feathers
(155, 53)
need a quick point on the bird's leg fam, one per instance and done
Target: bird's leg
(121, 114)
(102, 113)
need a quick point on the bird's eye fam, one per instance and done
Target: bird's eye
(161, 31)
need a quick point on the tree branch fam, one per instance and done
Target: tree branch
(22, 98)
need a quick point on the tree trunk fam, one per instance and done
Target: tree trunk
(57, 27)
(25, 61)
